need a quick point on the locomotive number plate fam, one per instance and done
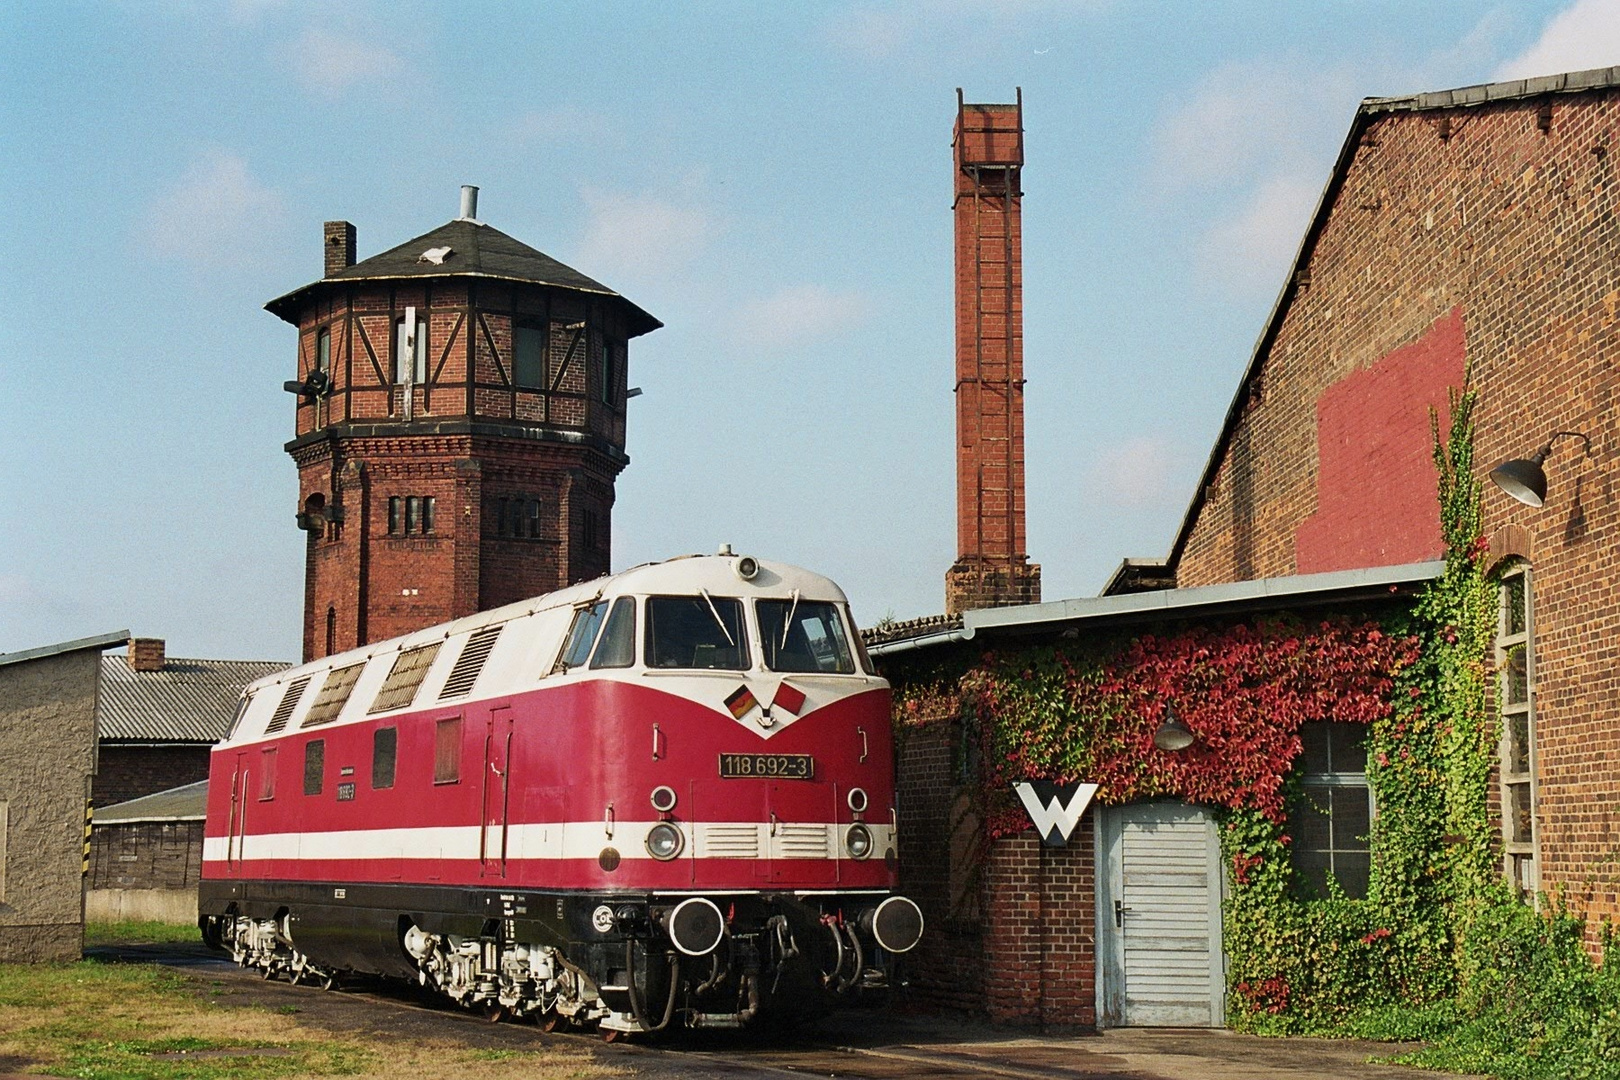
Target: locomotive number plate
(770, 766)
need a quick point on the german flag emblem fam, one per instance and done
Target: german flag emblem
(741, 702)
(789, 698)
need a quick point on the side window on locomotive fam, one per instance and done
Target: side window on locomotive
(581, 636)
(618, 645)
(447, 751)
(314, 766)
(804, 636)
(267, 774)
(700, 631)
(384, 750)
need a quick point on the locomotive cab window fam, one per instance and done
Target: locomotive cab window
(700, 631)
(581, 636)
(804, 636)
(618, 645)
(267, 774)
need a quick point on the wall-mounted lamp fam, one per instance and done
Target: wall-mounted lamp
(1524, 479)
(1172, 734)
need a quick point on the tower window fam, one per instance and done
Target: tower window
(411, 345)
(517, 516)
(529, 355)
(607, 372)
(323, 350)
(587, 529)
(410, 515)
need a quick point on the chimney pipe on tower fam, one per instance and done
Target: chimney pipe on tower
(469, 203)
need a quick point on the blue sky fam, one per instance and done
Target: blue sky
(771, 180)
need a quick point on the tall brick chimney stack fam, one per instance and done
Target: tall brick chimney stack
(992, 567)
(146, 654)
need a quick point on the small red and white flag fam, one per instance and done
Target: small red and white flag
(788, 697)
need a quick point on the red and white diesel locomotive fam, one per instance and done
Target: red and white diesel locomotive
(666, 793)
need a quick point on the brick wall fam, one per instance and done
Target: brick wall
(128, 772)
(1494, 226)
(1010, 926)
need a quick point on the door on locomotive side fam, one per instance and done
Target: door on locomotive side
(497, 793)
(236, 821)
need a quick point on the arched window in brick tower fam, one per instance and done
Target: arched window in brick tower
(1515, 703)
(331, 630)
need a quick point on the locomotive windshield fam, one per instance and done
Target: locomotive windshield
(581, 636)
(804, 636)
(696, 632)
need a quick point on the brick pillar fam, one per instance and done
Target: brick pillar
(992, 566)
(1040, 955)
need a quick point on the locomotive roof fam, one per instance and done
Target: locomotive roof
(683, 575)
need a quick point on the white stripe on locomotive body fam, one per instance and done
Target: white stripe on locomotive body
(569, 840)
(532, 639)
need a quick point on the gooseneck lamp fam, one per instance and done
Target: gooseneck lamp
(1524, 479)
(1172, 734)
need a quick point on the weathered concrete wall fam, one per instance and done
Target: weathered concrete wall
(178, 906)
(47, 757)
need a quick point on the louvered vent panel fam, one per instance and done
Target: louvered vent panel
(801, 841)
(399, 689)
(334, 695)
(731, 841)
(470, 663)
(285, 707)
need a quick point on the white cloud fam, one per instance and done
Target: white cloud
(1584, 35)
(1252, 247)
(796, 315)
(328, 64)
(646, 235)
(1251, 119)
(1136, 472)
(217, 213)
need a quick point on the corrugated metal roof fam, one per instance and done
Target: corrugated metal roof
(186, 803)
(185, 701)
(476, 250)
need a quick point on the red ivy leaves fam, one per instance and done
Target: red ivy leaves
(1243, 690)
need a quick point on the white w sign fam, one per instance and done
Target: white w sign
(1055, 808)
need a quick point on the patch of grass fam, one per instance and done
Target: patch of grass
(129, 932)
(100, 1021)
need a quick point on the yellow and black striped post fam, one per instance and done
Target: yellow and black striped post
(89, 811)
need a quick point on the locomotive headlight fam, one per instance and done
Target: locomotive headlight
(664, 841)
(858, 841)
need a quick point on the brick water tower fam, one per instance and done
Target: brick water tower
(460, 423)
(992, 567)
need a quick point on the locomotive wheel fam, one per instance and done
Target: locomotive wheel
(613, 1035)
(551, 1021)
(494, 1013)
(267, 973)
(329, 982)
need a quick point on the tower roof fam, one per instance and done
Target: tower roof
(475, 250)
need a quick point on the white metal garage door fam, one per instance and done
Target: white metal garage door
(1159, 917)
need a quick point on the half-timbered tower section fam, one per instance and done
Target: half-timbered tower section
(460, 422)
(992, 566)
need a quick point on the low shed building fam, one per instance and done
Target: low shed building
(146, 857)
